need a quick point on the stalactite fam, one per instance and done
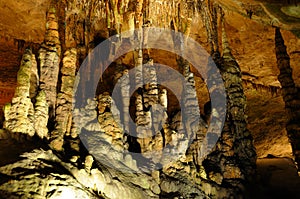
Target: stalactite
(290, 95)
(207, 23)
(20, 44)
(273, 90)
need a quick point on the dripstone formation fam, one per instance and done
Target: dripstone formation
(290, 94)
(121, 140)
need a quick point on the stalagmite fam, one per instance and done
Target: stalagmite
(63, 110)
(19, 115)
(41, 115)
(49, 58)
(290, 95)
(125, 92)
(238, 141)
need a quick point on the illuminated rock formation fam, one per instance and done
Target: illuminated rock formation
(64, 99)
(19, 115)
(114, 137)
(49, 58)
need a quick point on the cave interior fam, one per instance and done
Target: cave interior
(140, 99)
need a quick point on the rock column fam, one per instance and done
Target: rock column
(49, 58)
(64, 99)
(19, 115)
(290, 95)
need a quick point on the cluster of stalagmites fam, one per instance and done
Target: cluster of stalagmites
(28, 112)
(44, 98)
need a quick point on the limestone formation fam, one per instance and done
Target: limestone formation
(19, 115)
(49, 58)
(94, 146)
(236, 142)
(41, 115)
(65, 99)
(290, 94)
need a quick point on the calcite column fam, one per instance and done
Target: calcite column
(290, 94)
(236, 151)
(34, 78)
(64, 99)
(19, 115)
(41, 115)
(194, 127)
(49, 58)
(125, 92)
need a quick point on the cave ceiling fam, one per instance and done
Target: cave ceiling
(251, 39)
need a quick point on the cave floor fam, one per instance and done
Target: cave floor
(276, 177)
